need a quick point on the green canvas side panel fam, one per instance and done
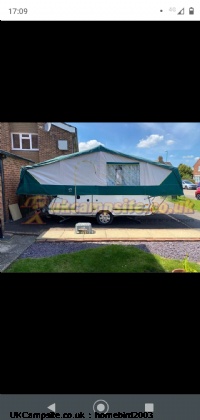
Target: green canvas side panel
(172, 185)
(29, 186)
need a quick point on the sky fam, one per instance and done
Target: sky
(175, 142)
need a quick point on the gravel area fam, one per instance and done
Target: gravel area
(174, 250)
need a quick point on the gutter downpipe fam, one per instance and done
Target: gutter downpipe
(3, 192)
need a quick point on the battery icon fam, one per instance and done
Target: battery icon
(191, 10)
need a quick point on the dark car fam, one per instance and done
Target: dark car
(197, 193)
(188, 185)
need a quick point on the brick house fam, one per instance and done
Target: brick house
(196, 171)
(26, 143)
(10, 166)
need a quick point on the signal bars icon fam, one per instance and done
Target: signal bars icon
(182, 11)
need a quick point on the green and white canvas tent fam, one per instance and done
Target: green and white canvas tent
(99, 174)
(100, 171)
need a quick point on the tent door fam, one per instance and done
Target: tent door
(83, 204)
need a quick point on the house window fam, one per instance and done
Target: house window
(24, 141)
(123, 173)
(198, 168)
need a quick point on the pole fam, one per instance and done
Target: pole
(2, 156)
(2, 195)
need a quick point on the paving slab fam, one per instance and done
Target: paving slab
(120, 235)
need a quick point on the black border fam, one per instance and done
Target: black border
(135, 72)
(54, 342)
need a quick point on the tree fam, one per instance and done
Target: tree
(185, 171)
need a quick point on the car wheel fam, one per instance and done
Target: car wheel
(198, 196)
(104, 218)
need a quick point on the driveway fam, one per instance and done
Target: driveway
(189, 194)
(169, 216)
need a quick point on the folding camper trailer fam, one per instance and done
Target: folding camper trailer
(100, 183)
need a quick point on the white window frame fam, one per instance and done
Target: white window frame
(29, 136)
(198, 168)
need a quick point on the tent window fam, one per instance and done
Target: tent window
(123, 174)
(118, 176)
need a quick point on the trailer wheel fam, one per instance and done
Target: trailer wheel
(104, 218)
(198, 196)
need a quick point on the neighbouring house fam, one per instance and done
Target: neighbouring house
(160, 160)
(196, 171)
(24, 143)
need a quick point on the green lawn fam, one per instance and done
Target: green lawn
(106, 259)
(187, 202)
